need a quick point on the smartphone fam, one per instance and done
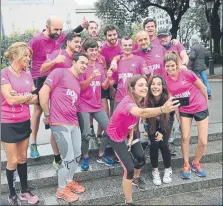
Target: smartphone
(47, 126)
(184, 101)
(34, 92)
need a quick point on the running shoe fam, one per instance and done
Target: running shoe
(167, 177)
(85, 164)
(186, 172)
(33, 151)
(14, 200)
(30, 197)
(198, 169)
(66, 195)
(139, 183)
(116, 160)
(156, 178)
(76, 187)
(130, 203)
(105, 160)
(56, 165)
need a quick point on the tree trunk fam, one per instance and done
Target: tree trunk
(174, 29)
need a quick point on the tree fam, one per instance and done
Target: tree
(133, 11)
(215, 22)
(193, 22)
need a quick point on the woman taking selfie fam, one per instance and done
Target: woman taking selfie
(123, 120)
(16, 88)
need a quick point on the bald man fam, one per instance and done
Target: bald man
(43, 44)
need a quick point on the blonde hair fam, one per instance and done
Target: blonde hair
(172, 56)
(17, 51)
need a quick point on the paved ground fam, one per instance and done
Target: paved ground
(212, 196)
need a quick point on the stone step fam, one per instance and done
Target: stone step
(45, 175)
(108, 191)
(46, 152)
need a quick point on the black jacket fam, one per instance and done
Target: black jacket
(197, 57)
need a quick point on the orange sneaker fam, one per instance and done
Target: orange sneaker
(66, 195)
(75, 187)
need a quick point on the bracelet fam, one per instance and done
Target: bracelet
(46, 115)
(161, 110)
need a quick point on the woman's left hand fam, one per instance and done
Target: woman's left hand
(158, 136)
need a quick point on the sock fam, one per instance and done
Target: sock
(11, 181)
(22, 171)
(57, 158)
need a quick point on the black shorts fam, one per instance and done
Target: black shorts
(105, 94)
(38, 82)
(199, 116)
(15, 132)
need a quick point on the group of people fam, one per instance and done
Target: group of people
(117, 82)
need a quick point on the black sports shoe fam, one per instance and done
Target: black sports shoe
(130, 203)
(14, 200)
(209, 96)
(139, 183)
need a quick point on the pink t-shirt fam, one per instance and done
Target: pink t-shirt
(66, 64)
(64, 96)
(22, 85)
(90, 97)
(127, 69)
(154, 59)
(122, 120)
(177, 48)
(101, 60)
(184, 87)
(42, 46)
(110, 52)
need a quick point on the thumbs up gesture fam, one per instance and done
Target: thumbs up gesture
(85, 23)
(60, 58)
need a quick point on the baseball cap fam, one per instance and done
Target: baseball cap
(164, 32)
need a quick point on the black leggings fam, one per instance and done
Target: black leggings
(129, 160)
(163, 146)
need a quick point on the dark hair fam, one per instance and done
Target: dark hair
(92, 22)
(149, 20)
(109, 28)
(78, 55)
(92, 38)
(151, 103)
(131, 85)
(70, 36)
(90, 43)
(172, 56)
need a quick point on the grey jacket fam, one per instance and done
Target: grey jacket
(197, 57)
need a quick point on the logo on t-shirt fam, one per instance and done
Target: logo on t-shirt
(95, 84)
(132, 126)
(125, 76)
(73, 96)
(184, 94)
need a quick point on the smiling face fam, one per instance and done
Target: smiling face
(150, 28)
(171, 68)
(92, 53)
(141, 88)
(23, 62)
(55, 29)
(81, 65)
(126, 46)
(143, 40)
(156, 87)
(112, 36)
(75, 44)
(164, 39)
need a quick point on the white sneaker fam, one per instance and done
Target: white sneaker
(156, 178)
(167, 177)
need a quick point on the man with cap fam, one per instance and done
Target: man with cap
(165, 37)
